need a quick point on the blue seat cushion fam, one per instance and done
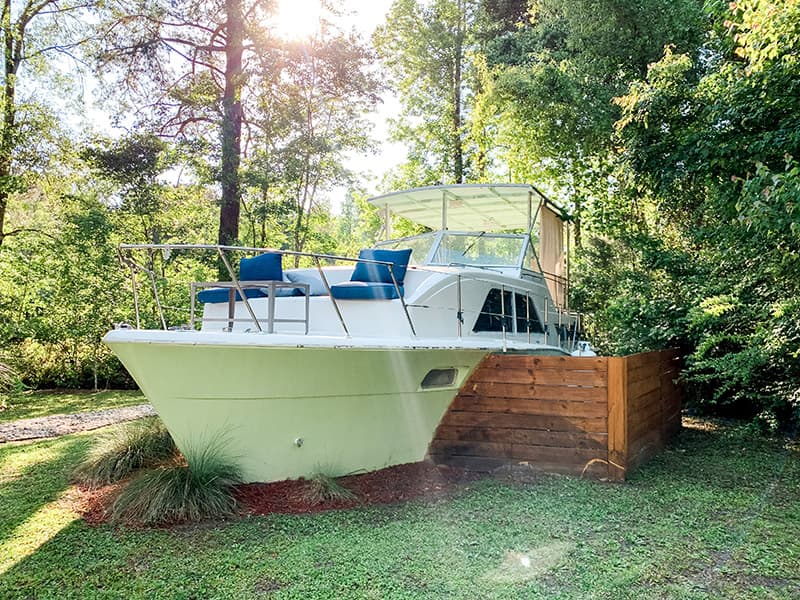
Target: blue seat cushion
(363, 290)
(216, 295)
(264, 267)
(372, 273)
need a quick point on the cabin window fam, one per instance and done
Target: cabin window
(491, 315)
(527, 317)
(439, 378)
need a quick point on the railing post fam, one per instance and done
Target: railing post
(238, 286)
(135, 297)
(460, 313)
(402, 300)
(330, 295)
(503, 315)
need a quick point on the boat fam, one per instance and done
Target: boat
(348, 365)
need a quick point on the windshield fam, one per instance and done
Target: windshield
(481, 249)
(420, 246)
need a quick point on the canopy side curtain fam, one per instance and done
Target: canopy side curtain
(552, 255)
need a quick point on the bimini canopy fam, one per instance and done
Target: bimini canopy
(466, 207)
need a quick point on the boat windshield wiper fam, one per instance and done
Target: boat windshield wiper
(475, 241)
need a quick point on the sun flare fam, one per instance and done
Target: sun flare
(297, 19)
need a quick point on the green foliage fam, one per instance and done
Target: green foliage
(715, 138)
(323, 488)
(426, 48)
(201, 489)
(122, 450)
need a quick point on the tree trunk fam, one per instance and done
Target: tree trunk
(10, 63)
(458, 55)
(231, 125)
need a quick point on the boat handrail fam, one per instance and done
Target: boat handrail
(221, 249)
(574, 316)
(572, 335)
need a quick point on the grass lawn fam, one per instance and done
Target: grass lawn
(25, 405)
(715, 516)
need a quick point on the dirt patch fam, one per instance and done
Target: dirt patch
(94, 504)
(387, 486)
(56, 425)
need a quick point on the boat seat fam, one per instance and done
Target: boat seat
(374, 281)
(218, 295)
(263, 267)
(363, 290)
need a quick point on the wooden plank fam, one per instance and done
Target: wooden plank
(593, 469)
(529, 406)
(645, 402)
(543, 422)
(641, 388)
(617, 418)
(645, 372)
(546, 454)
(637, 360)
(478, 464)
(531, 437)
(672, 427)
(644, 426)
(645, 447)
(541, 392)
(525, 361)
(535, 376)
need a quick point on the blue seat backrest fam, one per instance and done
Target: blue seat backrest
(264, 267)
(372, 273)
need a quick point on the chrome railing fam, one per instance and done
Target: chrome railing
(236, 283)
(567, 321)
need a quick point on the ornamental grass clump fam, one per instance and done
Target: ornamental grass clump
(181, 492)
(8, 379)
(123, 450)
(324, 488)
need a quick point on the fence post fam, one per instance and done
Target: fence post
(617, 418)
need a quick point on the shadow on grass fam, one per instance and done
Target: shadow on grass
(34, 475)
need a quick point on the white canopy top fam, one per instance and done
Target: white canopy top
(468, 207)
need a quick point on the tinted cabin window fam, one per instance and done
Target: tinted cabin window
(491, 315)
(529, 318)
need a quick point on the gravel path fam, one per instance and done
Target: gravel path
(55, 425)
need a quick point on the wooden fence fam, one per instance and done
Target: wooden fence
(599, 416)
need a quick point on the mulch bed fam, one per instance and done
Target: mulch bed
(387, 486)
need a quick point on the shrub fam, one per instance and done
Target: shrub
(178, 492)
(323, 488)
(121, 451)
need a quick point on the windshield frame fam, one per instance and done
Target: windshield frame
(440, 237)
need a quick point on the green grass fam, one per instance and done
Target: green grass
(25, 405)
(715, 516)
(122, 450)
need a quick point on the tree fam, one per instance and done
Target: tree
(186, 65)
(312, 113)
(32, 34)
(556, 78)
(426, 49)
(715, 139)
